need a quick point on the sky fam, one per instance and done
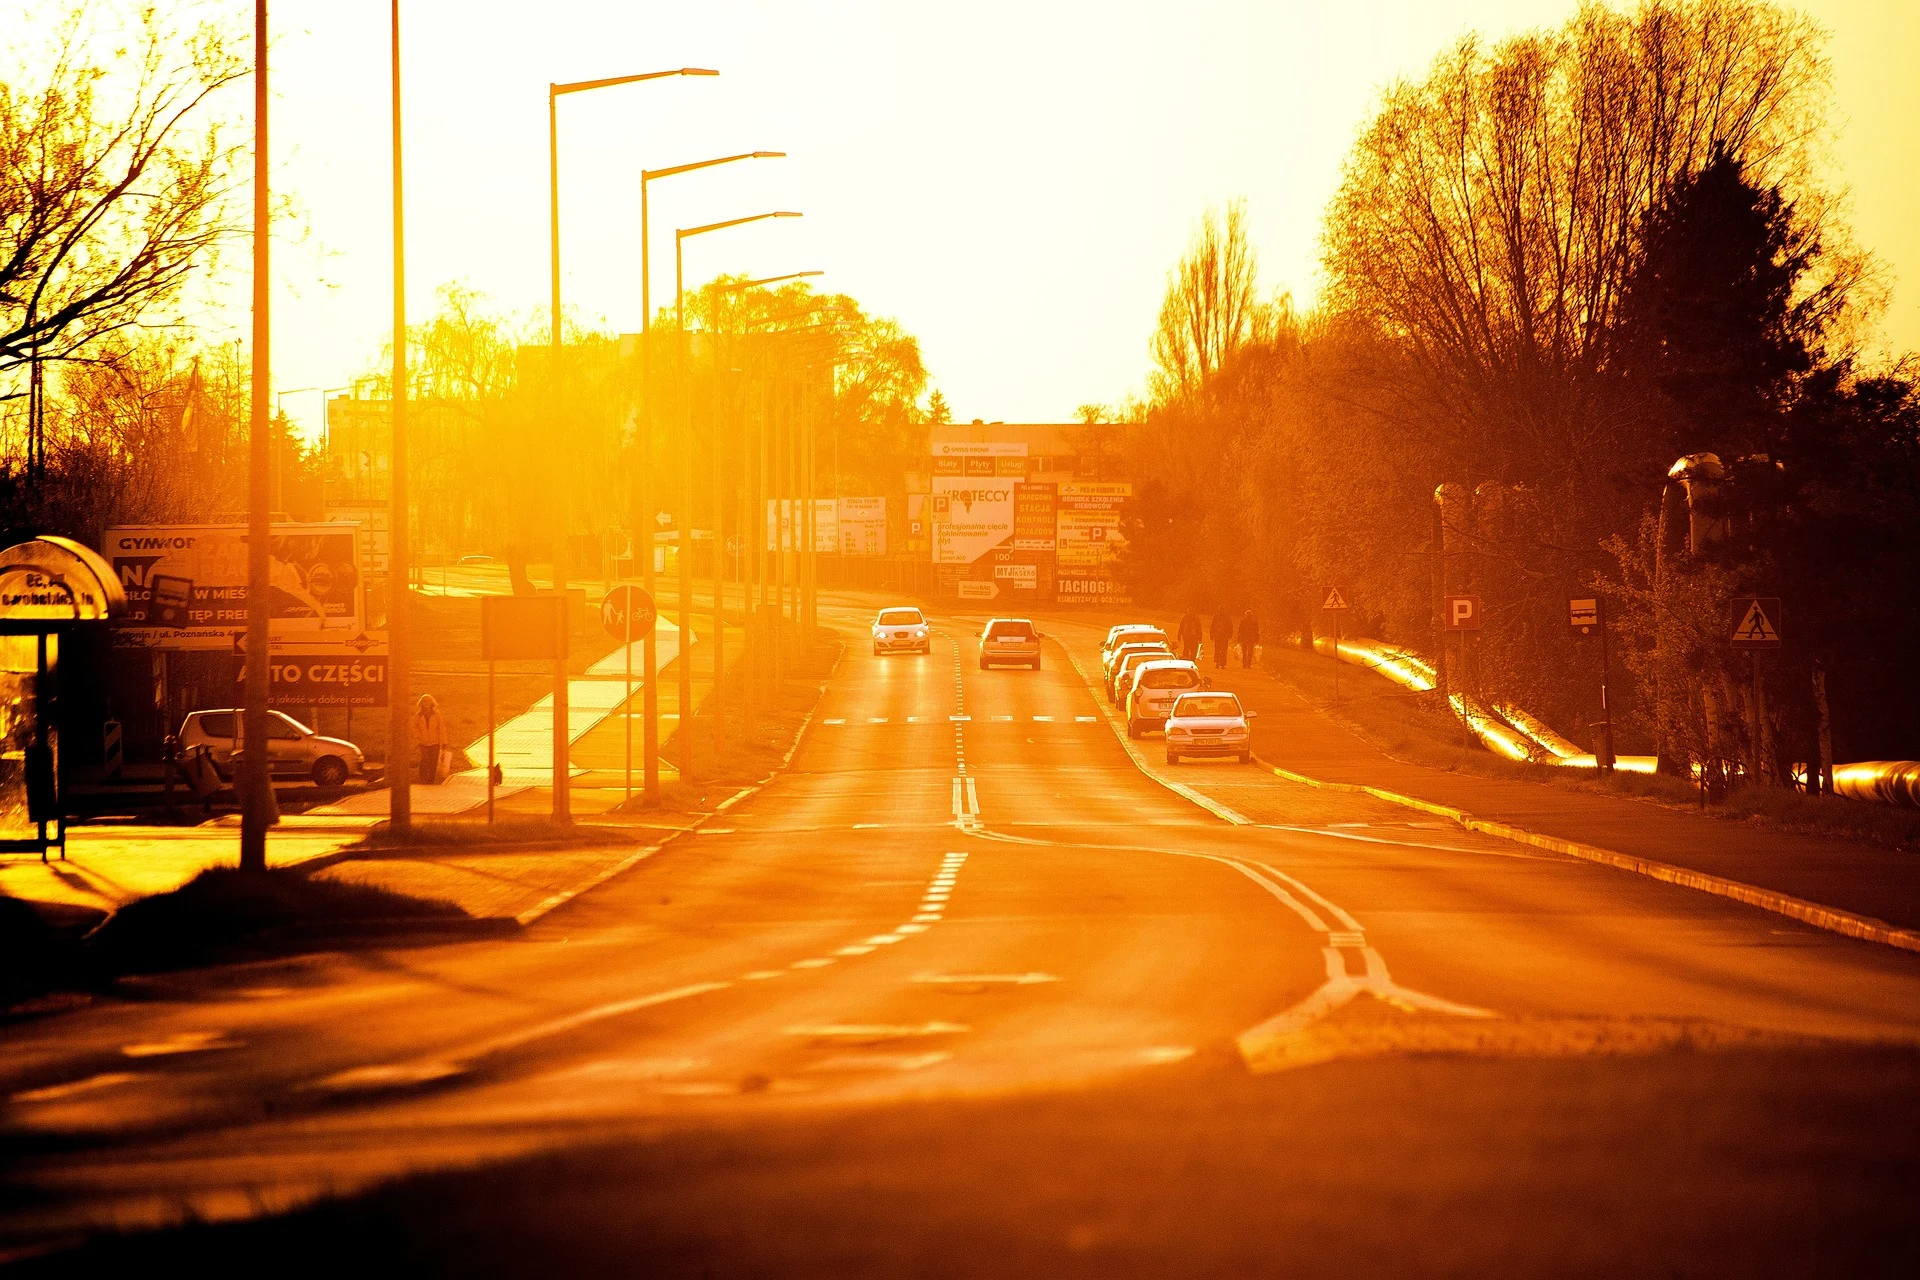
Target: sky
(1012, 181)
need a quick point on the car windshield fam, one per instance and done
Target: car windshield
(1143, 651)
(1217, 704)
(1170, 678)
(899, 618)
(281, 725)
(1017, 628)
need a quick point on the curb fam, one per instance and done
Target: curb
(640, 855)
(1832, 919)
(1212, 806)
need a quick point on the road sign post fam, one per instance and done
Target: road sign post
(1754, 624)
(529, 629)
(1335, 604)
(624, 610)
(1586, 615)
(1461, 614)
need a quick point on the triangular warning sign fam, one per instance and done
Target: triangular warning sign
(1756, 627)
(1334, 599)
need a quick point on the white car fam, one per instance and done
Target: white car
(1155, 686)
(901, 630)
(293, 750)
(1125, 659)
(1129, 633)
(1208, 724)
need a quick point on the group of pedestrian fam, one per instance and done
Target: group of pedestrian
(1222, 633)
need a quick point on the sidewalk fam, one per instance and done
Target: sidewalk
(1864, 880)
(109, 866)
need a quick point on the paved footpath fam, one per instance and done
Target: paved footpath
(1294, 735)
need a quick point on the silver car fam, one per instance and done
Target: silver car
(293, 750)
(1208, 724)
(1009, 641)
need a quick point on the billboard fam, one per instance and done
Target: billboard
(186, 585)
(863, 527)
(305, 673)
(972, 515)
(1088, 542)
(785, 514)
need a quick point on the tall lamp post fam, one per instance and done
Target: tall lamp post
(680, 237)
(256, 792)
(650, 694)
(400, 754)
(562, 803)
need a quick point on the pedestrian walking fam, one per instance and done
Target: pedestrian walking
(1222, 636)
(1189, 636)
(429, 738)
(1249, 638)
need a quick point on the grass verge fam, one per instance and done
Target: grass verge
(1417, 729)
(225, 914)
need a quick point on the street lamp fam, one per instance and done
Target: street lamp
(680, 237)
(643, 498)
(562, 805)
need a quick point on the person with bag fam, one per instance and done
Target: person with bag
(429, 739)
(1249, 638)
(1222, 636)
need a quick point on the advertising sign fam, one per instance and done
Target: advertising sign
(1088, 540)
(783, 519)
(972, 516)
(186, 585)
(863, 526)
(347, 672)
(1033, 518)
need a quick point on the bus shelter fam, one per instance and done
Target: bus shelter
(49, 587)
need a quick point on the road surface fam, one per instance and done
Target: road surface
(970, 990)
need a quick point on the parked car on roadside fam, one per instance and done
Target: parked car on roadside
(1208, 724)
(293, 750)
(898, 630)
(1154, 689)
(1010, 640)
(1125, 658)
(1129, 633)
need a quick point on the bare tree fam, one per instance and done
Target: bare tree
(113, 181)
(1212, 307)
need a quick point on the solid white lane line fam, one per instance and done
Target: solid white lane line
(973, 799)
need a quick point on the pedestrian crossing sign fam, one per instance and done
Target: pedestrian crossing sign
(1336, 599)
(1755, 622)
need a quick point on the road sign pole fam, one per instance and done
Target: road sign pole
(1605, 762)
(1759, 722)
(1336, 659)
(490, 756)
(626, 704)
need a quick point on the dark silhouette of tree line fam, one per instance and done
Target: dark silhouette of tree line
(1556, 266)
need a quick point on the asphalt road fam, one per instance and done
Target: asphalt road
(970, 990)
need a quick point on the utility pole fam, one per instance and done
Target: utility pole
(255, 782)
(400, 756)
